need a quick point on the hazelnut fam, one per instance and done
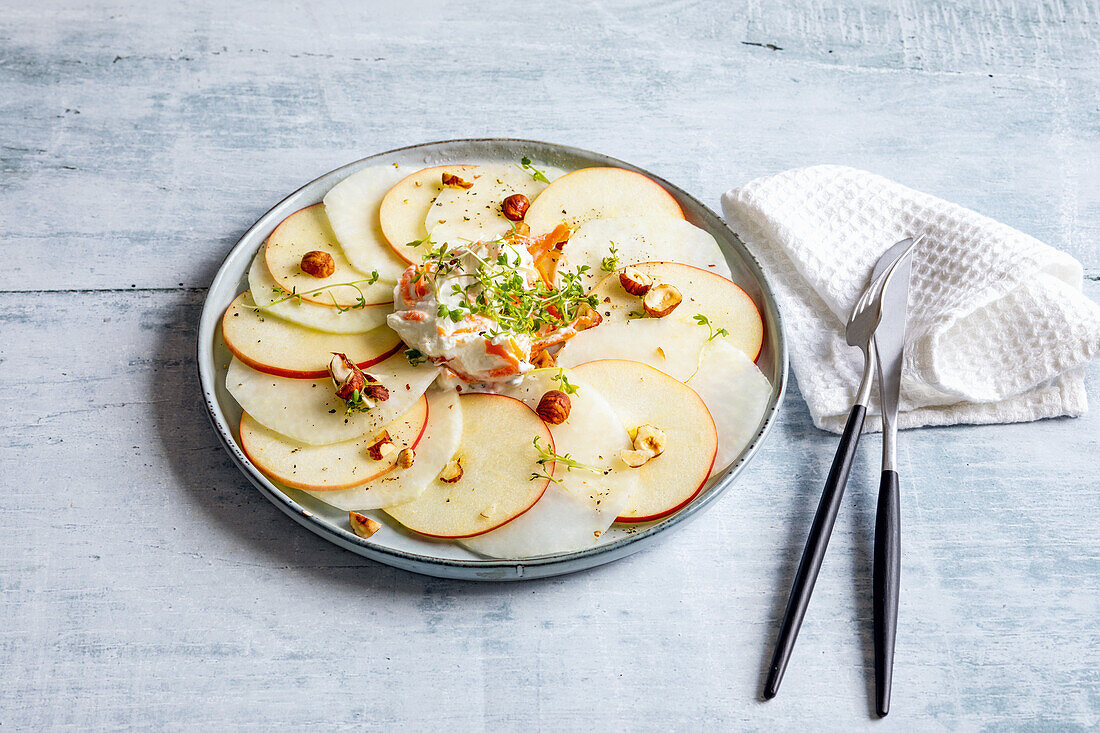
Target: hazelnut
(544, 360)
(346, 376)
(515, 207)
(649, 442)
(318, 263)
(649, 438)
(634, 281)
(587, 317)
(374, 390)
(450, 180)
(452, 472)
(363, 526)
(635, 458)
(349, 378)
(376, 449)
(661, 300)
(554, 407)
(405, 458)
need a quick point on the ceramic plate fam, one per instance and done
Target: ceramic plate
(392, 545)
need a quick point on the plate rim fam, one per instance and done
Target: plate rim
(487, 568)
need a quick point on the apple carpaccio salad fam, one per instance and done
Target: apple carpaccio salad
(507, 355)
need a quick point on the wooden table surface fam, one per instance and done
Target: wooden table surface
(144, 583)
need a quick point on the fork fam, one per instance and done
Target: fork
(859, 331)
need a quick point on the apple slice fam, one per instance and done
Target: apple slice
(461, 215)
(269, 297)
(704, 292)
(642, 395)
(352, 209)
(572, 514)
(599, 193)
(329, 467)
(663, 343)
(308, 410)
(285, 349)
(307, 230)
(736, 393)
(498, 462)
(405, 207)
(438, 443)
(640, 239)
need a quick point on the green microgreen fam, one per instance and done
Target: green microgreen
(357, 403)
(360, 300)
(547, 456)
(564, 382)
(415, 357)
(498, 290)
(525, 164)
(611, 262)
(714, 332)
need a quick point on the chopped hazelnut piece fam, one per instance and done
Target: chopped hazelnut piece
(450, 180)
(649, 438)
(587, 317)
(544, 360)
(635, 458)
(346, 376)
(661, 300)
(634, 281)
(405, 458)
(452, 472)
(649, 442)
(363, 526)
(377, 448)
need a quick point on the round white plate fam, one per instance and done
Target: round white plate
(393, 545)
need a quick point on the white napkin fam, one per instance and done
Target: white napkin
(998, 329)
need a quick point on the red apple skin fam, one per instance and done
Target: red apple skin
(310, 487)
(397, 247)
(290, 373)
(550, 439)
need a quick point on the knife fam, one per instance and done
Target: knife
(889, 345)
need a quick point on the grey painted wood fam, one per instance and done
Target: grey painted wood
(144, 584)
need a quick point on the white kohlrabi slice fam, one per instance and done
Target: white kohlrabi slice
(352, 207)
(736, 392)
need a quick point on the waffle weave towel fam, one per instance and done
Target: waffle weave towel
(998, 329)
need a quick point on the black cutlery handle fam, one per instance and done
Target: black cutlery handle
(814, 553)
(885, 580)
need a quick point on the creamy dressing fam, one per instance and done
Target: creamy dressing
(476, 360)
